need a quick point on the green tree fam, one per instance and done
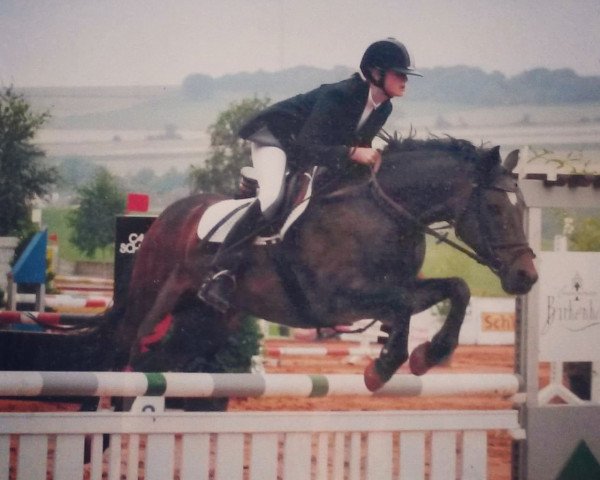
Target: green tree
(228, 153)
(23, 176)
(586, 235)
(93, 223)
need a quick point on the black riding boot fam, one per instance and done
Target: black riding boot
(218, 290)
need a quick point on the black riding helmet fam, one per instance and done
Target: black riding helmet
(384, 55)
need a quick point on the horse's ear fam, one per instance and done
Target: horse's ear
(511, 160)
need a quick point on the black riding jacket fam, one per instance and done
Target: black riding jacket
(319, 127)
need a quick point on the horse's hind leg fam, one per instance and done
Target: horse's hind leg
(168, 296)
(428, 293)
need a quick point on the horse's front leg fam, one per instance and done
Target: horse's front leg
(428, 293)
(423, 295)
(393, 308)
(393, 354)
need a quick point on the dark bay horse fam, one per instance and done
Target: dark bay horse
(355, 253)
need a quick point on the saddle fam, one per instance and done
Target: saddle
(219, 218)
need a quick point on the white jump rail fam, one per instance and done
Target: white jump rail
(136, 384)
(255, 445)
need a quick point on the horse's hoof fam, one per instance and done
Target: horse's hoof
(373, 380)
(418, 362)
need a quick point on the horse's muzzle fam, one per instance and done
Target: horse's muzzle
(520, 277)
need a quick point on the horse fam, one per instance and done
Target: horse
(356, 252)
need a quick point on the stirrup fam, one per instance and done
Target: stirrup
(218, 290)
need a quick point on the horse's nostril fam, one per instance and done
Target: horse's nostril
(534, 278)
(527, 277)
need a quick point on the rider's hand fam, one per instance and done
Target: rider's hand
(366, 156)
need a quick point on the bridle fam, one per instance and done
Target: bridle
(488, 248)
(487, 256)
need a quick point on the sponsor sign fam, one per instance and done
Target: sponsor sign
(488, 321)
(130, 232)
(497, 321)
(569, 309)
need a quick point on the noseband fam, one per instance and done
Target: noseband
(489, 249)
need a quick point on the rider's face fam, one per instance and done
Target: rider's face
(394, 83)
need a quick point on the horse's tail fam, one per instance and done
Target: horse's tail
(92, 346)
(108, 328)
(83, 348)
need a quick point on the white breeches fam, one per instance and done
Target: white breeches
(269, 164)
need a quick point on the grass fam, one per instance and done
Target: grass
(443, 261)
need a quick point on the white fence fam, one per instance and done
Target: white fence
(251, 445)
(152, 444)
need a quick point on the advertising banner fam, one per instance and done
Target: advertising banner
(569, 306)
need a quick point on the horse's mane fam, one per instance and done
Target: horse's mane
(448, 144)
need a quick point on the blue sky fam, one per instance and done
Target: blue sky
(152, 42)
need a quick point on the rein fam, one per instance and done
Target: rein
(397, 211)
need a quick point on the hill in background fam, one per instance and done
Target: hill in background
(197, 101)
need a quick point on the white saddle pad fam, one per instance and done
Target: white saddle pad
(217, 212)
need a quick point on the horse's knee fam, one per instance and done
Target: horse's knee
(458, 291)
(445, 341)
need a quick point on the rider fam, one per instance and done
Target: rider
(328, 126)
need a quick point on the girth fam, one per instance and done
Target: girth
(291, 284)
